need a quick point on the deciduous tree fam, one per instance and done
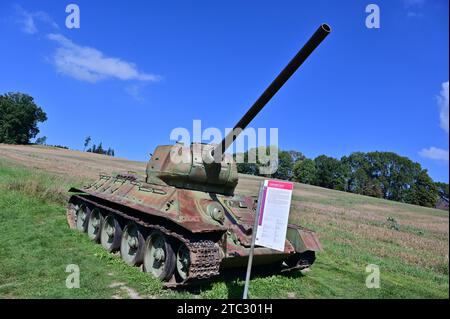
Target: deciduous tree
(19, 116)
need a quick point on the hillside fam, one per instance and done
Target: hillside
(409, 243)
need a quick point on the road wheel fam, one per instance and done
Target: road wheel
(159, 258)
(94, 225)
(82, 217)
(132, 245)
(111, 233)
(183, 261)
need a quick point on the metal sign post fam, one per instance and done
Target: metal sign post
(271, 220)
(252, 247)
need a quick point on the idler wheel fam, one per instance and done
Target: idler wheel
(94, 225)
(132, 245)
(111, 233)
(159, 258)
(301, 260)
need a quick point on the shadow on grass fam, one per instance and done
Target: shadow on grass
(234, 280)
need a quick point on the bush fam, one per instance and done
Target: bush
(392, 223)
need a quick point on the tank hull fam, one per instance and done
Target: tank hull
(223, 223)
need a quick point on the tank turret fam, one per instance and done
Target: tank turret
(184, 167)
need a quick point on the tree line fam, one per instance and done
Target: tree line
(378, 174)
(97, 148)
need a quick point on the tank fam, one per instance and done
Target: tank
(184, 223)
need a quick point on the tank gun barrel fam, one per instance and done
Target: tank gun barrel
(320, 34)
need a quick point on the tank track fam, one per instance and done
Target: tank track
(204, 253)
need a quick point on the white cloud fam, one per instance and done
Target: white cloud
(91, 65)
(443, 106)
(434, 153)
(29, 20)
(82, 62)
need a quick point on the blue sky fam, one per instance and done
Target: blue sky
(133, 72)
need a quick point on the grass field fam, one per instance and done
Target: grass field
(409, 243)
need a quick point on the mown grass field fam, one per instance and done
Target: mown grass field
(408, 243)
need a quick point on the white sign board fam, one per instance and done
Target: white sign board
(274, 214)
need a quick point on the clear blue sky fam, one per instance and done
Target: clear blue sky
(137, 69)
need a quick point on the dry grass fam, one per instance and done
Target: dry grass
(67, 162)
(424, 245)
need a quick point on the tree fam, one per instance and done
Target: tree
(41, 140)
(305, 171)
(394, 174)
(296, 156)
(110, 151)
(19, 116)
(358, 170)
(92, 149)
(87, 140)
(329, 173)
(424, 191)
(285, 166)
(382, 174)
(100, 149)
